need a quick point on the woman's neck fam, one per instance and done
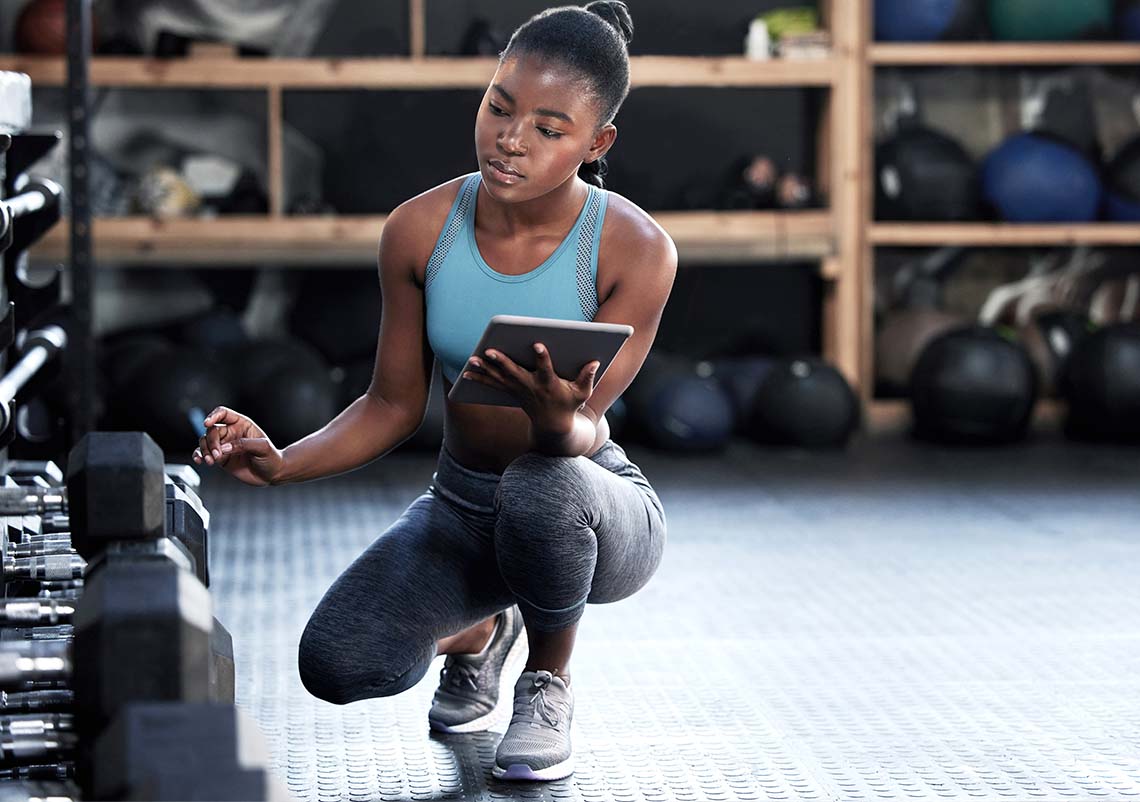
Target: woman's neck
(550, 211)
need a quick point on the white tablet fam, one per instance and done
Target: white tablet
(572, 344)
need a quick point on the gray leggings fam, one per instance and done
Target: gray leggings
(550, 534)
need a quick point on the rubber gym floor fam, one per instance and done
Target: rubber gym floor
(893, 622)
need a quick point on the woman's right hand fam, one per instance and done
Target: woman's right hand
(238, 445)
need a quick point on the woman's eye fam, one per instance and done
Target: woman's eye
(546, 132)
(496, 110)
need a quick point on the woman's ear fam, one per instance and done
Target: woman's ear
(603, 141)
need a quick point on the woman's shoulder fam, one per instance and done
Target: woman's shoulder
(630, 229)
(430, 204)
(417, 222)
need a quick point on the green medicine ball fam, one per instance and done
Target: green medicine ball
(1050, 20)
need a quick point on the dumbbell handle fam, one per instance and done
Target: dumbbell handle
(27, 202)
(39, 347)
(57, 632)
(36, 701)
(30, 725)
(21, 748)
(35, 612)
(54, 791)
(49, 567)
(36, 661)
(40, 547)
(32, 500)
(44, 539)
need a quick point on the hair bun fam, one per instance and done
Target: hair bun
(616, 13)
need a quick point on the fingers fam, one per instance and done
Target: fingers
(254, 446)
(223, 415)
(586, 377)
(545, 366)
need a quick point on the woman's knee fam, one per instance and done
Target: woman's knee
(533, 477)
(334, 667)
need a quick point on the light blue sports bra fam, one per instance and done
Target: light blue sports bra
(463, 292)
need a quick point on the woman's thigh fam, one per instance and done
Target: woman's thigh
(607, 497)
(431, 574)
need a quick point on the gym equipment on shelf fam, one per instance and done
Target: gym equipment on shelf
(973, 386)
(1122, 201)
(1050, 20)
(675, 408)
(1103, 385)
(1033, 178)
(923, 174)
(803, 402)
(927, 20)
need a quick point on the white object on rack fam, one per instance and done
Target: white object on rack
(758, 43)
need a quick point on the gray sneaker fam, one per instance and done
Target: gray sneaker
(469, 684)
(536, 745)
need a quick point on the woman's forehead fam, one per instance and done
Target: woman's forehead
(540, 82)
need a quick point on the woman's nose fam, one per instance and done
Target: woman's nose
(511, 140)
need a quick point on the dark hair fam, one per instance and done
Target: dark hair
(594, 42)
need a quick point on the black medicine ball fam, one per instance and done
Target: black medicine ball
(973, 386)
(922, 174)
(803, 402)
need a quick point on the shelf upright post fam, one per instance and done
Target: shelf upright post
(417, 28)
(80, 355)
(847, 318)
(275, 126)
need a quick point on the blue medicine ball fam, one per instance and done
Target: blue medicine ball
(1122, 201)
(1129, 22)
(926, 20)
(1031, 178)
(673, 406)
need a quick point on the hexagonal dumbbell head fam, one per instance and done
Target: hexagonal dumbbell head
(116, 490)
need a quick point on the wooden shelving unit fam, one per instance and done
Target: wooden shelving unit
(1003, 235)
(841, 239)
(306, 241)
(407, 73)
(832, 238)
(982, 235)
(995, 54)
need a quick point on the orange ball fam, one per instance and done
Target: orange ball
(42, 28)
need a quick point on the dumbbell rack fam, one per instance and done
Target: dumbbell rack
(46, 348)
(115, 679)
(112, 666)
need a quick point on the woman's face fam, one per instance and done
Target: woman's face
(534, 128)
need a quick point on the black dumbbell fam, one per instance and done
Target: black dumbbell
(46, 619)
(142, 753)
(185, 518)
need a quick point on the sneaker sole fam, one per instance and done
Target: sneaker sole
(521, 771)
(516, 658)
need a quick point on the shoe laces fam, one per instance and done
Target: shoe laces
(459, 673)
(540, 705)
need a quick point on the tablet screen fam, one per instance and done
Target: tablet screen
(572, 344)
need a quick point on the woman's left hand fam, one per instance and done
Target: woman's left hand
(549, 400)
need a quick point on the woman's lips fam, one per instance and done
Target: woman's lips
(502, 175)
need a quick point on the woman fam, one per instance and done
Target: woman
(532, 511)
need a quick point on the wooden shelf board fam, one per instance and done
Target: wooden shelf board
(405, 73)
(314, 241)
(1003, 234)
(1004, 53)
(882, 416)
